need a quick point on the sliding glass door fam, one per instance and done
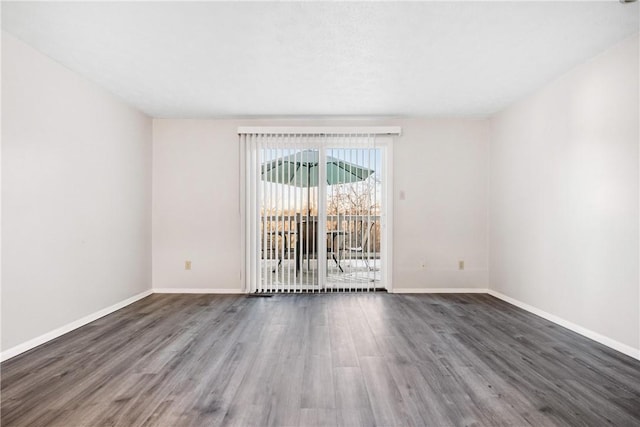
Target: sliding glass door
(316, 212)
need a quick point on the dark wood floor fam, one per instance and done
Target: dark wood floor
(337, 359)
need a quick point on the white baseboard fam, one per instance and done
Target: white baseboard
(439, 291)
(616, 345)
(197, 291)
(21, 348)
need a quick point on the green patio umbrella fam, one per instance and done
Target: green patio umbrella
(301, 170)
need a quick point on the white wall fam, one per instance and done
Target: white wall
(441, 165)
(196, 211)
(564, 197)
(76, 196)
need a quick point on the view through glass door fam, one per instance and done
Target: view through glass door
(353, 213)
(319, 213)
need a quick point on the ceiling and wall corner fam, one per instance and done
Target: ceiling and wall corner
(240, 59)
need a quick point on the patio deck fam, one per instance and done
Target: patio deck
(355, 275)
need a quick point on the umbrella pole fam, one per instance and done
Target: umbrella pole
(308, 192)
(309, 215)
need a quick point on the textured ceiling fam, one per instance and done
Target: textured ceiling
(179, 59)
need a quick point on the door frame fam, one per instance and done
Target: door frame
(384, 140)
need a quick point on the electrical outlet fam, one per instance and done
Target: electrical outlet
(187, 265)
(423, 265)
(461, 265)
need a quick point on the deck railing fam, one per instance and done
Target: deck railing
(279, 234)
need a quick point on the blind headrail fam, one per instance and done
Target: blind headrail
(322, 130)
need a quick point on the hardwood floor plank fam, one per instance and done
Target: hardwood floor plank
(362, 336)
(422, 403)
(314, 417)
(384, 396)
(318, 390)
(352, 399)
(343, 349)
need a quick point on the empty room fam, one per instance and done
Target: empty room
(320, 214)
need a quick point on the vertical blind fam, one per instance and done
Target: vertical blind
(314, 209)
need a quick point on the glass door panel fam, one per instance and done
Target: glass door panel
(353, 217)
(289, 218)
